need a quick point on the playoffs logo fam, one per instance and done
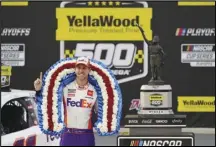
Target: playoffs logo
(195, 32)
(15, 32)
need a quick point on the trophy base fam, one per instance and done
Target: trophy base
(151, 121)
(156, 97)
(155, 112)
(165, 127)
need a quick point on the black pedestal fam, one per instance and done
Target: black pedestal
(156, 130)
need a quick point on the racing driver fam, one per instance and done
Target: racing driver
(80, 100)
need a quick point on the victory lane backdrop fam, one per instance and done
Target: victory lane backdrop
(42, 50)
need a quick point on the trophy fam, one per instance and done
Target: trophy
(155, 110)
(156, 97)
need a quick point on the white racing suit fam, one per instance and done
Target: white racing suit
(79, 103)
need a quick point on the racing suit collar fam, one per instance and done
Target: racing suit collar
(84, 87)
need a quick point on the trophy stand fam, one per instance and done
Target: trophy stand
(155, 115)
(155, 123)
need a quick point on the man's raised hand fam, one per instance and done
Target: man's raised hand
(38, 83)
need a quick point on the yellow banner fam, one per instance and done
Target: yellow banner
(14, 3)
(103, 23)
(6, 70)
(196, 104)
(196, 3)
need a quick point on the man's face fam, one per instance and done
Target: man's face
(82, 71)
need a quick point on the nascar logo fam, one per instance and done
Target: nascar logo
(156, 143)
(191, 53)
(184, 140)
(199, 47)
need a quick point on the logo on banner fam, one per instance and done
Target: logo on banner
(135, 104)
(110, 36)
(186, 140)
(133, 121)
(13, 54)
(161, 121)
(156, 100)
(198, 55)
(15, 31)
(5, 75)
(196, 104)
(195, 32)
(177, 121)
(146, 121)
(155, 143)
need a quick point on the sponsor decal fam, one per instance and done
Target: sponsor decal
(90, 93)
(82, 103)
(195, 32)
(110, 37)
(196, 104)
(198, 55)
(71, 94)
(71, 90)
(89, 97)
(13, 54)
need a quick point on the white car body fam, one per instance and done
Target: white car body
(31, 136)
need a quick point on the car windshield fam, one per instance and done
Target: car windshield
(18, 114)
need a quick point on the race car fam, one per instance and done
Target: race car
(19, 123)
